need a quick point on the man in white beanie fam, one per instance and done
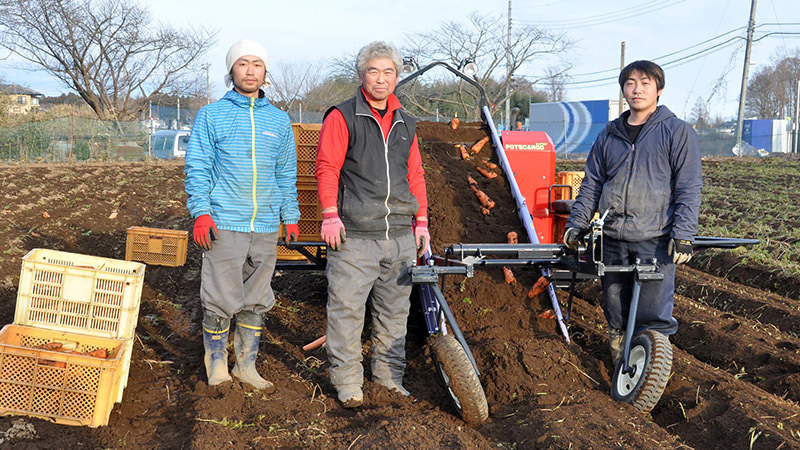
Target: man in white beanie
(241, 172)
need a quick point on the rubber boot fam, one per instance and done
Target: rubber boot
(394, 386)
(215, 339)
(351, 396)
(616, 340)
(246, 341)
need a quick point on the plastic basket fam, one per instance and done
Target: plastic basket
(570, 178)
(79, 293)
(306, 137)
(157, 246)
(286, 254)
(67, 388)
(83, 294)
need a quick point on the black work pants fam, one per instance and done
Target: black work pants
(656, 298)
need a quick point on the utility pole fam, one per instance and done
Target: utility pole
(508, 71)
(796, 119)
(178, 120)
(743, 93)
(621, 66)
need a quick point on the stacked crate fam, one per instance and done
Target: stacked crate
(306, 137)
(568, 178)
(81, 304)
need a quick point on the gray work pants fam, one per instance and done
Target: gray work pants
(237, 273)
(378, 269)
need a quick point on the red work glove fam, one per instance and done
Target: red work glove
(205, 231)
(332, 230)
(422, 237)
(292, 232)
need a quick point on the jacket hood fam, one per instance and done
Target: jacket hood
(243, 101)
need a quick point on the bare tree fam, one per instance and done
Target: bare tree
(772, 90)
(332, 91)
(109, 51)
(554, 82)
(292, 82)
(700, 116)
(483, 39)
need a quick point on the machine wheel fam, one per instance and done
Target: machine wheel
(460, 379)
(651, 357)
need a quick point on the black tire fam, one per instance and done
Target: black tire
(651, 357)
(460, 379)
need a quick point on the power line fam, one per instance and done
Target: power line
(673, 63)
(668, 54)
(604, 18)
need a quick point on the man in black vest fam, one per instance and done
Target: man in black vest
(371, 190)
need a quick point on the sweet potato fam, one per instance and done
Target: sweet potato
(52, 346)
(99, 353)
(454, 123)
(482, 197)
(513, 237)
(489, 164)
(319, 342)
(463, 149)
(486, 173)
(51, 363)
(479, 145)
(510, 278)
(538, 287)
(547, 315)
(471, 181)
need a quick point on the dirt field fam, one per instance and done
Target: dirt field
(736, 368)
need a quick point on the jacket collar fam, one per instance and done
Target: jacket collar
(363, 106)
(660, 114)
(243, 101)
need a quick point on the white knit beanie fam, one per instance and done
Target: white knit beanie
(242, 48)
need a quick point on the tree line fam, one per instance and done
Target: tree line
(116, 59)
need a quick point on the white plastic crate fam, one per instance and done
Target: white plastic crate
(79, 293)
(82, 294)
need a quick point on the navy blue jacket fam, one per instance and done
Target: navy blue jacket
(653, 185)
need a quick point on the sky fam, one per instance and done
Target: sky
(674, 33)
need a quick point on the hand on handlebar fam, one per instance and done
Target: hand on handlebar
(572, 237)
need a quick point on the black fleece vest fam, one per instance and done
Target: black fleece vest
(375, 200)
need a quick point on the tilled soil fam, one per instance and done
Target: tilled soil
(735, 381)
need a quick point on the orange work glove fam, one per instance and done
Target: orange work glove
(292, 232)
(205, 231)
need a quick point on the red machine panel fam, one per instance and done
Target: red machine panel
(532, 157)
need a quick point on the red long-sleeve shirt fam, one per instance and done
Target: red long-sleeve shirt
(332, 148)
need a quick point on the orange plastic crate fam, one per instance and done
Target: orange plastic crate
(306, 137)
(85, 294)
(570, 178)
(157, 246)
(67, 388)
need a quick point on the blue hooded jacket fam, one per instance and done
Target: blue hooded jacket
(241, 165)
(653, 185)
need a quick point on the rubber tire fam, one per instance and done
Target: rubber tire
(460, 379)
(651, 355)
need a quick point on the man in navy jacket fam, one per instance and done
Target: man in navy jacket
(645, 169)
